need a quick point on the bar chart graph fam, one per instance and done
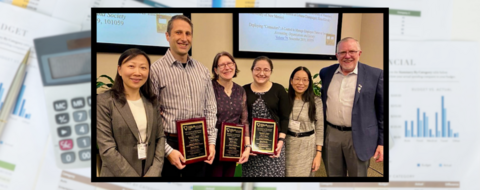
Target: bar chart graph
(19, 109)
(422, 124)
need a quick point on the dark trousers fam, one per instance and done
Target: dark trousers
(339, 156)
(191, 170)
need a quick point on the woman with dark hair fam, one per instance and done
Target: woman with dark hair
(231, 108)
(305, 130)
(129, 128)
(267, 100)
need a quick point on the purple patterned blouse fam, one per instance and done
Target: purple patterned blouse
(231, 109)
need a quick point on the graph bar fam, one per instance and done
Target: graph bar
(422, 126)
(406, 128)
(444, 119)
(19, 100)
(436, 124)
(449, 130)
(455, 135)
(431, 134)
(411, 129)
(427, 128)
(1, 91)
(425, 125)
(418, 122)
(22, 111)
(27, 116)
(7, 166)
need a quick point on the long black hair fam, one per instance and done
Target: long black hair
(118, 90)
(308, 96)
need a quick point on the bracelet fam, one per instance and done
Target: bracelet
(248, 145)
(319, 151)
(281, 139)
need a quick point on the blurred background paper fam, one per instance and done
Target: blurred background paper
(433, 112)
(414, 19)
(23, 141)
(42, 6)
(78, 12)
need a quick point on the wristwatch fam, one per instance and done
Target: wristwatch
(248, 145)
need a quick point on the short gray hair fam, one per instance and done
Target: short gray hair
(346, 39)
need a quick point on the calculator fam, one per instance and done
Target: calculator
(65, 65)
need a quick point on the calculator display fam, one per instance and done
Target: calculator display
(70, 65)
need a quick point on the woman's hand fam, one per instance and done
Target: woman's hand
(316, 162)
(245, 155)
(278, 150)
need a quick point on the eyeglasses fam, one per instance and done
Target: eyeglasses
(343, 53)
(298, 80)
(229, 64)
(259, 70)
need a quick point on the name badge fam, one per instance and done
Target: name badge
(142, 151)
(294, 125)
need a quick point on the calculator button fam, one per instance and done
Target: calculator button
(78, 102)
(68, 157)
(66, 144)
(79, 116)
(60, 105)
(90, 113)
(85, 155)
(64, 131)
(61, 118)
(81, 129)
(89, 100)
(83, 142)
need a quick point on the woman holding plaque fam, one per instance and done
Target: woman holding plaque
(268, 101)
(305, 131)
(129, 128)
(231, 108)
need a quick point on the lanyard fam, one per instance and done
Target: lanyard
(299, 112)
(140, 138)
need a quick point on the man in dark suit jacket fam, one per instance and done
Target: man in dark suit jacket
(352, 96)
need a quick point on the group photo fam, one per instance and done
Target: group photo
(185, 95)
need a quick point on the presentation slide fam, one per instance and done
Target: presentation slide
(314, 34)
(146, 29)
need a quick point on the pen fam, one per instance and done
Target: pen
(247, 186)
(13, 92)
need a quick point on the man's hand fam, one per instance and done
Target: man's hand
(278, 150)
(378, 154)
(211, 156)
(244, 156)
(176, 159)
